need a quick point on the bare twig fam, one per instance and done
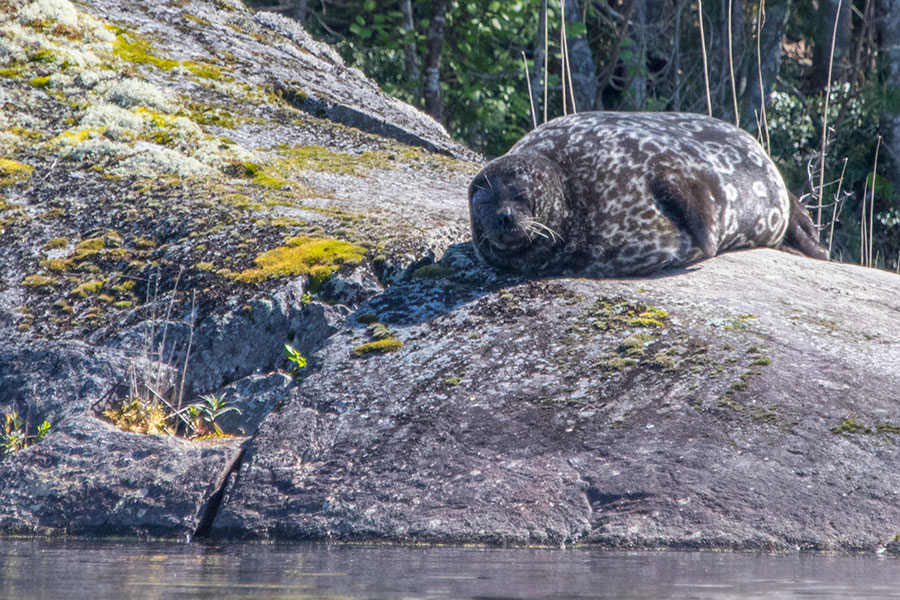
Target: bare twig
(737, 118)
(763, 121)
(837, 199)
(837, 16)
(705, 66)
(872, 203)
(562, 54)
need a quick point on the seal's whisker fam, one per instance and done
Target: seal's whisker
(534, 224)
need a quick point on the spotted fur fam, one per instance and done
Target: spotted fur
(612, 194)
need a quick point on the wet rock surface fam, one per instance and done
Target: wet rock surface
(746, 402)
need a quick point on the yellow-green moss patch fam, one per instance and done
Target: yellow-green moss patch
(58, 264)
(56, 243)
(88, 248)
(88, 288)
(377, 347)
(40, 82)
(317, 158)
(137, 417)
(136, 49)
(39, 282)
(302, 255)
(12, 172)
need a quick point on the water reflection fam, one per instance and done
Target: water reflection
(47, 570)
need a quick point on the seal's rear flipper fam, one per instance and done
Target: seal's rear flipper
(690, 204)
(801, 233)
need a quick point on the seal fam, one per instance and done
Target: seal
(609, 194)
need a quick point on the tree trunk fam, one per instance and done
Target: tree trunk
(434, 44)
(889, 47)
(635, 90)
(768, 62)
(822, 51)
(584, 73)
(412, 59)
(299, 12)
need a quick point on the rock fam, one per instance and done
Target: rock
(89, 478)
(511, 416)
(229, 207)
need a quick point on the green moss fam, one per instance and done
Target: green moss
(850, 426)
(268, 181)
(317, 258)
(611, 315)
(617, 363)
(199, 20)
(144, 244)
(44, 55)
(88, 288)
(452, 381)
(378, 347)
(204, 70)
(432, 272)
(88, 248)
(64, 306)
(40, 82)
(12, 72)
(112, 239)
(124, 287)
(205, 266)
(136, 49)
(56, 243)
(58, 264)
(12, 172)
(634, 344)
(649, 317)
(367, 318)
(317, 158)
(123, 304)
(39, 282)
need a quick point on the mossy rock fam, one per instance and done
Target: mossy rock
(317, 258)
(377, 347)
(12, 172)
(39, 282)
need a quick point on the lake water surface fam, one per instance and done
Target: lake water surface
(75, 569)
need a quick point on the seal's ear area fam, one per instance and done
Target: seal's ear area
(689, 203)
(801, 233)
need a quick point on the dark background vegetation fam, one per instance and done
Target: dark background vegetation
(462, 61)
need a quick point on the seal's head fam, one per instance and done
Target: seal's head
(517, 208)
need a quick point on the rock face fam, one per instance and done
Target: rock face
(746, 402)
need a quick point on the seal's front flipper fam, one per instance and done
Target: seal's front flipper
(689, 203)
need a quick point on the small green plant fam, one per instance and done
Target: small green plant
(297, 360)
(14, 436)
(203, 415)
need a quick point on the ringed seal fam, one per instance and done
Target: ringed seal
(612, 194)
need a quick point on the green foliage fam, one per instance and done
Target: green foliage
(297, 360)
(14, 435)
(203, 416)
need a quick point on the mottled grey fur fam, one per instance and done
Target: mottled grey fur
(612, 194)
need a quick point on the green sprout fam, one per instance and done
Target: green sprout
(203, 415)
(297, 360)
(14, 436)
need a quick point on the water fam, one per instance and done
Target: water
(73, 570)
